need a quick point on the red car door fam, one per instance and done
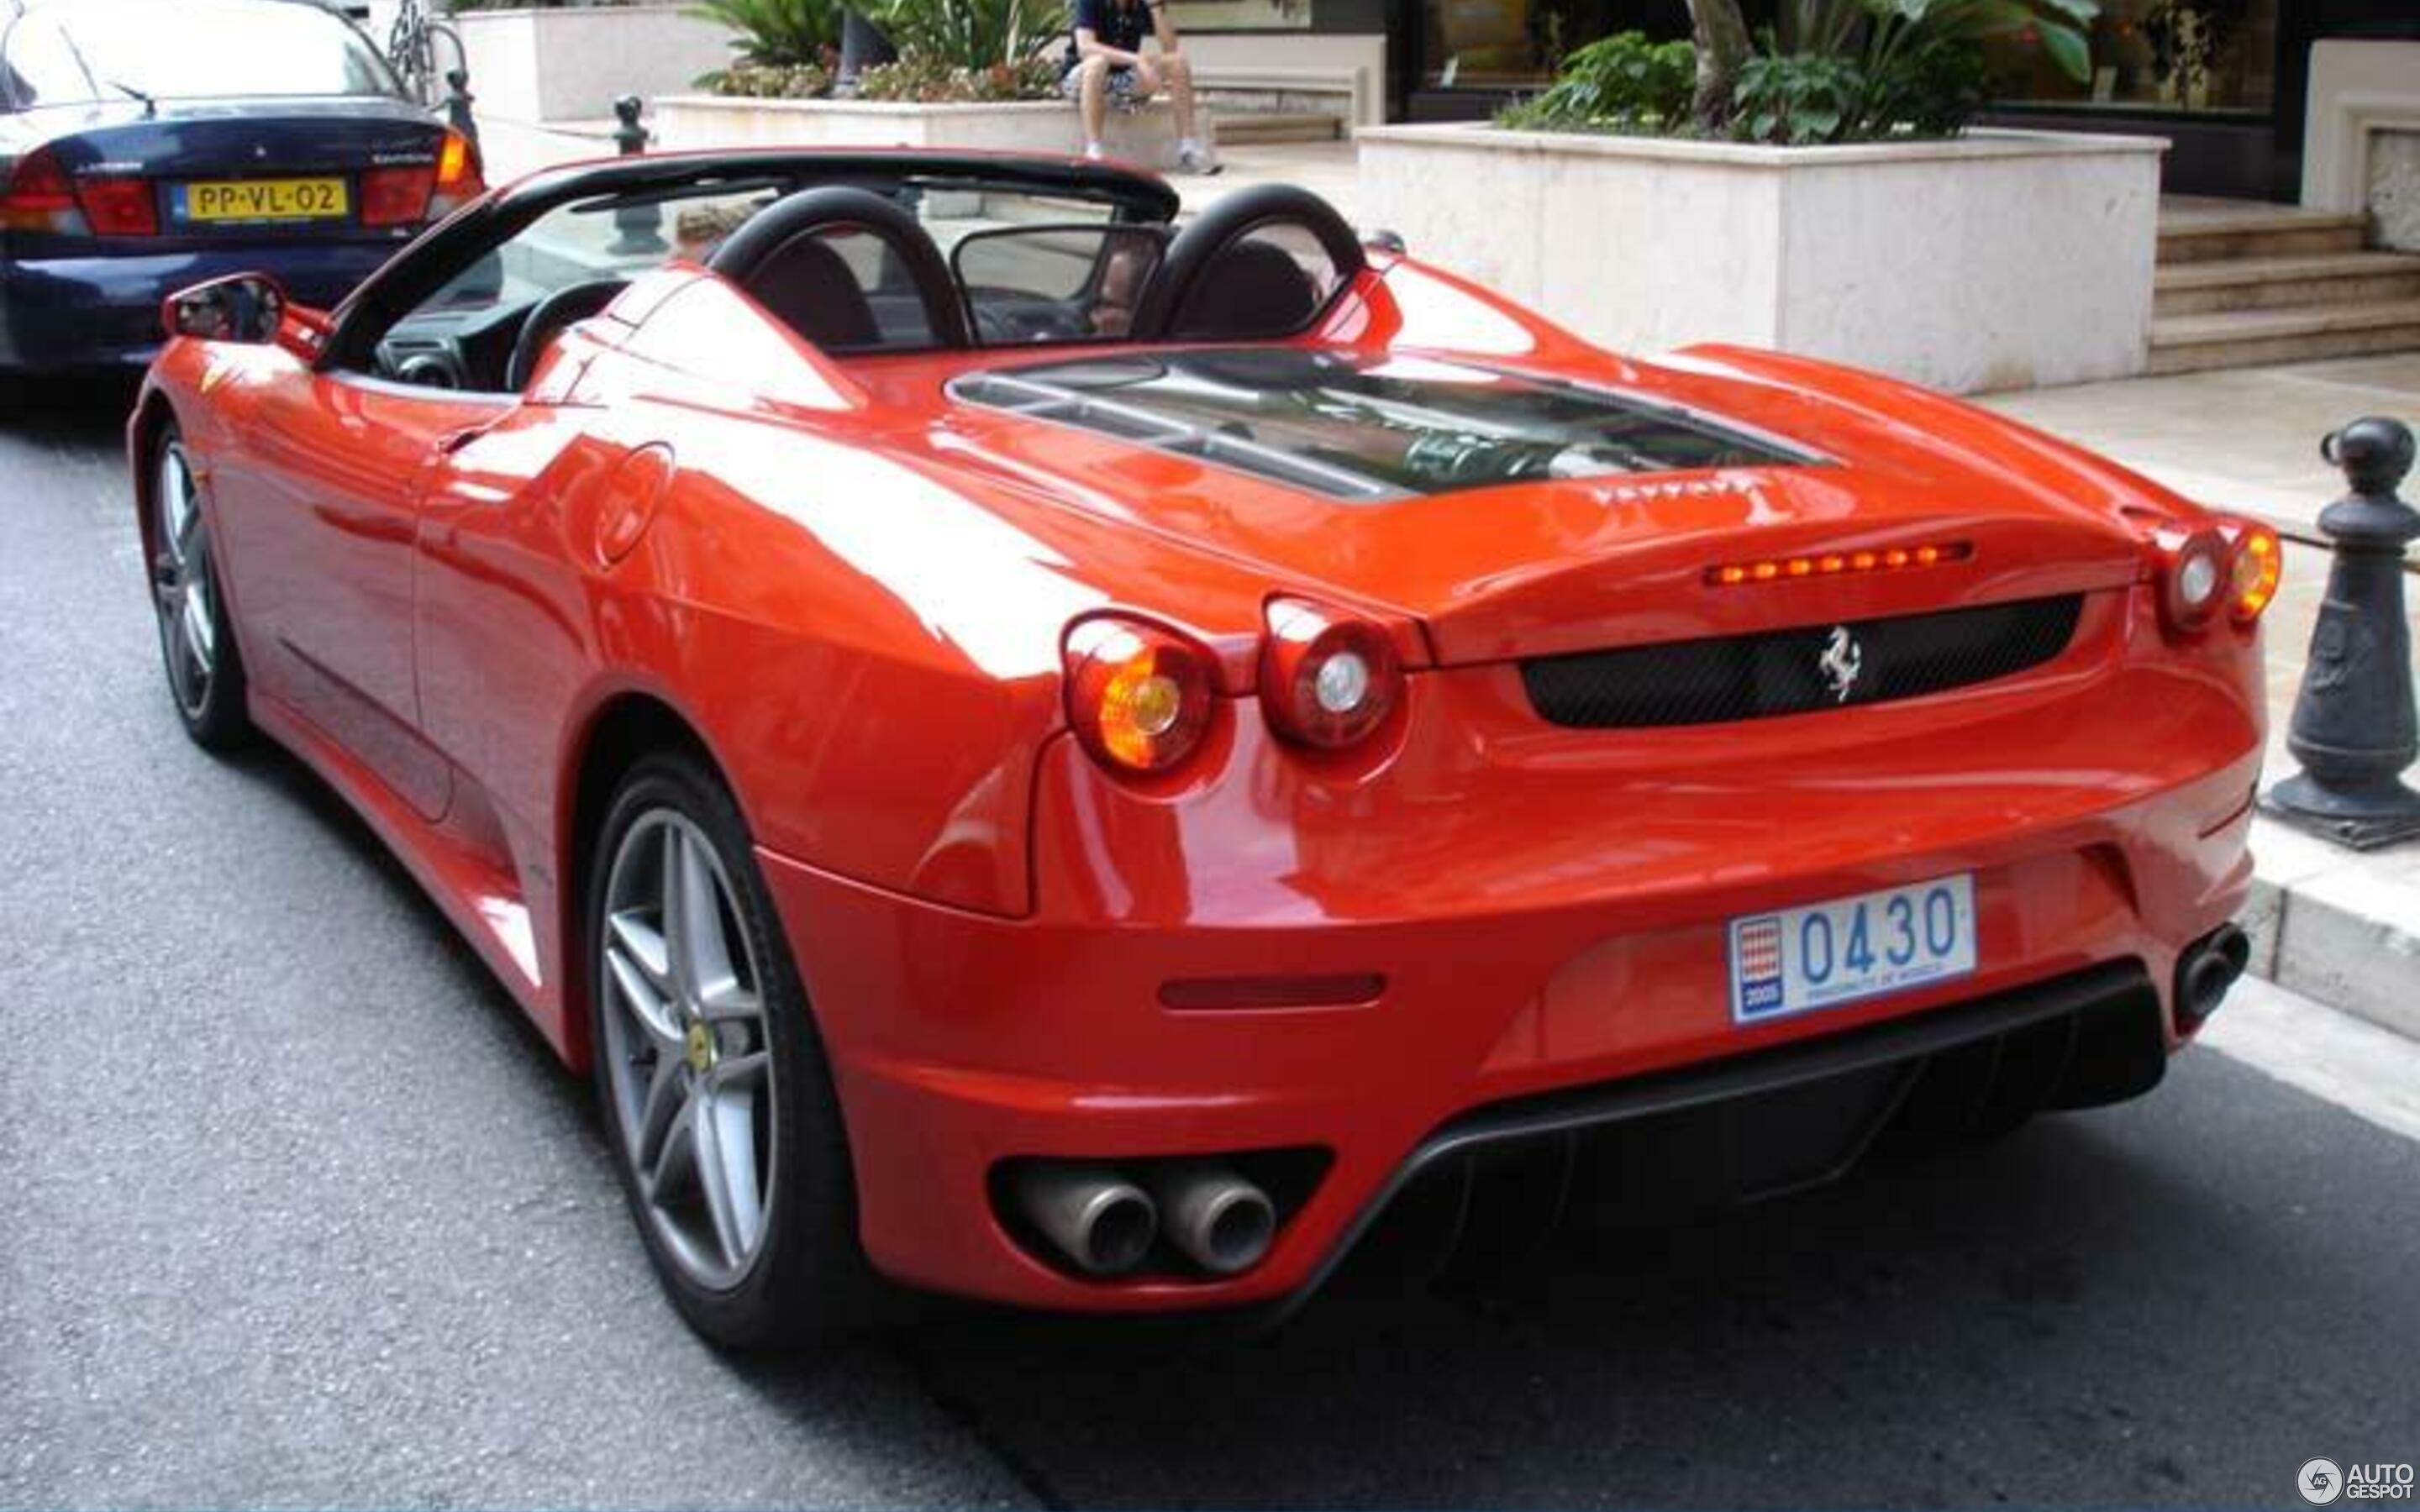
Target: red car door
(339, 463)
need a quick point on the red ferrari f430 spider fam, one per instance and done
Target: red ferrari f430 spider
(1045, 755)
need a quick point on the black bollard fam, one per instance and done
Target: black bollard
(630, 137)
(2355, 729)
(638, 229)
(458, 104)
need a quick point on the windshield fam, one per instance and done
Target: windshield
(102, 50)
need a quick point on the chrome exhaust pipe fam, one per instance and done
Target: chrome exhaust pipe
(2209, 967)
(1215, 1218)
(1099, 1220)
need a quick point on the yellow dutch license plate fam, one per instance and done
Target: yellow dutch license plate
(265, 199)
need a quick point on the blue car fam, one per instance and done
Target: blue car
(148, 144)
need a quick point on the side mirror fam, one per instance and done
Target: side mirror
(250, 308)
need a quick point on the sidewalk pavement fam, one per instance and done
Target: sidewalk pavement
(2330, 923)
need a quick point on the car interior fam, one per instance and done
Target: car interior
(860, 269)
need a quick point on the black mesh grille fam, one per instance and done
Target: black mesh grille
(1785, 671)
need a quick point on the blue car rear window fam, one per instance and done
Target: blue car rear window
(121, 50)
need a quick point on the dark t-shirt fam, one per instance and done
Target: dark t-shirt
(1119, 24)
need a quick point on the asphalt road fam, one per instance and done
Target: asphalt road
(294, 1210)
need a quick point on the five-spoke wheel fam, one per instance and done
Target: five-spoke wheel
(718, 1103)
(687, 1054)
(205, 672)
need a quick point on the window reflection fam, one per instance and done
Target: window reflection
(2175, 54)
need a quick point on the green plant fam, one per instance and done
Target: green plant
(971, 34)
(1622, 82)
(771, 81)
(923, 79)
(779, 34)
(1882, 32)
(1799, 98)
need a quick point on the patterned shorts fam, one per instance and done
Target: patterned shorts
(1124, 90)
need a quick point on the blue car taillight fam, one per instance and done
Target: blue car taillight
(38, 197)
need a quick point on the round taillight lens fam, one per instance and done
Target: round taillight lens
(1326, 679)
(2252, 582)
(2196, 576)
(1137, 695)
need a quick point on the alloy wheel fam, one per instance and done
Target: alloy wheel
(188, 594)
(689, 1066)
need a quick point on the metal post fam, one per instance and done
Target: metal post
(639, 229)
(2355, 729)
(629, 138)
(458, 104)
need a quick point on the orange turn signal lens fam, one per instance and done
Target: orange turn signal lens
(1834, 563)
(1137, 695)
(2252, 581)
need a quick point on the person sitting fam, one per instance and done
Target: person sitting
(1107, 66)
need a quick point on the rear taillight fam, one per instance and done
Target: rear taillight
(2226, 567)
(38, 197)
(1138, 694)
(2259, 563)
(457, 175)
(397, 196)
(1328, 679)
(422, 192)
(2193, 570)
(119, 207)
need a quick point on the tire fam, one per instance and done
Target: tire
(197, 646)
(703, 1041)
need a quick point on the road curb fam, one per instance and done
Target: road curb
(2338, 927)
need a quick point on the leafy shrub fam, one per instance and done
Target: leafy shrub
(1799, 99)
(971, 34)
(1622, 83)
(780, 34)
(923, 79)
(771, 81)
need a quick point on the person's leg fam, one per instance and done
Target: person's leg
(1092, 100)
(1192, 155)
(1179, 70)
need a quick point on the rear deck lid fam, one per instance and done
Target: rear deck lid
(1521, 515)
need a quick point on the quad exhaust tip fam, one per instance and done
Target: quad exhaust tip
(1101, 1222)
(2206, 970)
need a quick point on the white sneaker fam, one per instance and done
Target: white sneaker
(1192, 158)
(1093, 153)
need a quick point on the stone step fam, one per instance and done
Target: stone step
(1263, 128)
(2257, 231)
(2260, 338)
(2286, 283)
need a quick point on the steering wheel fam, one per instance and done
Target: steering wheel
(548, 318)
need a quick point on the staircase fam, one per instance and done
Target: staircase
(2241, 284)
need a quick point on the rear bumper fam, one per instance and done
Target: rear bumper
(961, 1040)
(85, 314)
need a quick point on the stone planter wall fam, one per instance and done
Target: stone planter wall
(683, 122)
(2001, 260)
(570, 65)
(2361, 144)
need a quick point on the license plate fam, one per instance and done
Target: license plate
(262, 199)
(1829, 954)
